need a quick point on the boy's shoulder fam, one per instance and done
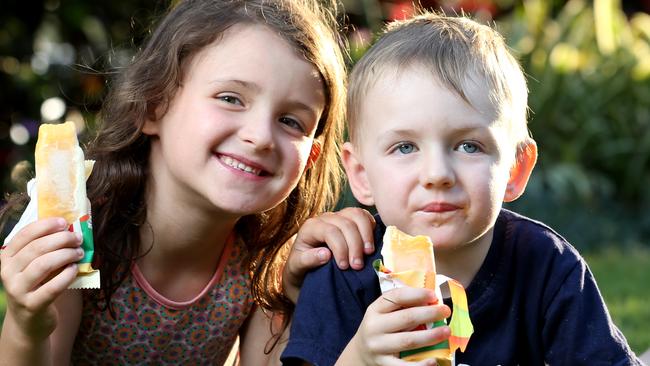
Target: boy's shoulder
(531, 237)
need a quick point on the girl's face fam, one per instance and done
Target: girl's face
(239, 130)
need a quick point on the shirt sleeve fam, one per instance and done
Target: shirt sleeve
(329, 310)
(578, 329)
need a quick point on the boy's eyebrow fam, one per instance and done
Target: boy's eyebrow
(456, 130)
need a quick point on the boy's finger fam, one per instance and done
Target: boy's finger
(32, 232)
(412, 317)
(365, 223)
(404, 341)
(402, 298)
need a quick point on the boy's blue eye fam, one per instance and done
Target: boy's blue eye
(469, 147)
(406, 148)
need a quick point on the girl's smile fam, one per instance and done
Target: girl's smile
(243, 165)
(238, 132)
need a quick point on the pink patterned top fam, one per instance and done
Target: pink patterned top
(153, 330)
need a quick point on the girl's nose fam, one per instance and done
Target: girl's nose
(258, 131)
(437, 171)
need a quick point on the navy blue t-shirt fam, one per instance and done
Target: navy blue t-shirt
(534, 301)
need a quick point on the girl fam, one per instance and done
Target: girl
(216, 143)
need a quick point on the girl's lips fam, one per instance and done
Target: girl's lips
(243, 164)
(440, 207)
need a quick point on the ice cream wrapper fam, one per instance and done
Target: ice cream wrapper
(87, 277)
(413, 264)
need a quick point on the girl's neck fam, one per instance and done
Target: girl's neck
(181, 248)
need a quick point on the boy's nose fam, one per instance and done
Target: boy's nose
(437, 172)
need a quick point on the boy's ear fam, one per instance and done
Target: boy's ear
(521, 170)
(356, 174)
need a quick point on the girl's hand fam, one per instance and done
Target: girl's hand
(35, 268)
(348, 234)
(386, 328)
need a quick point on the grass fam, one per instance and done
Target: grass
(622, 277)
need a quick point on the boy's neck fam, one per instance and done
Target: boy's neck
(462, 264)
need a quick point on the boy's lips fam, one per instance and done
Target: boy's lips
(245, 165)
(439, 207)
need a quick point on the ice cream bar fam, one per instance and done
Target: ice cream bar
(61, 174)
(409, 261)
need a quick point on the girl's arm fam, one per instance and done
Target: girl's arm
(348, 234)
(69, 309)
(256, 337)
(54, 350)
(36, 267)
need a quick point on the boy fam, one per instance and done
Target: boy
(437, 113)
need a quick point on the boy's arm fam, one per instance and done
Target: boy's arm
(329, 310)
(578, 328)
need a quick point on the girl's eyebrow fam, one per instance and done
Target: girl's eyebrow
(246, 84)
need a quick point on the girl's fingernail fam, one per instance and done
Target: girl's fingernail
(367, 245)
(343, 264)
(357, 261)
(78, 237)
(322, 254)
(80, 252)
(61, 222)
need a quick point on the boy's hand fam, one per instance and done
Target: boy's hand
(35, 268)
(386, 328)
(348, 234)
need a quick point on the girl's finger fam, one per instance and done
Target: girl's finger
(47, 265)
(365, 224)
(41, 246)
(32, 232)
(51, 289)
(349, 250)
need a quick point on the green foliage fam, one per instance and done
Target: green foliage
(3, 304)
(622, 277)
(589, 78)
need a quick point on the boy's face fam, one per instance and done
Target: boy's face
(430, 163)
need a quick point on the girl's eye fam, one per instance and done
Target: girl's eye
(405, 147)
(469, 147)
(292, 123)
(230, 99)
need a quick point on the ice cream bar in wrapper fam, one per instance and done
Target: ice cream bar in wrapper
(59, 190)
(409, 261)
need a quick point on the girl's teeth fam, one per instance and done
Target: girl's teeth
(239, 165)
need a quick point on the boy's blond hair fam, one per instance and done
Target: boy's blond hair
(460, 53)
